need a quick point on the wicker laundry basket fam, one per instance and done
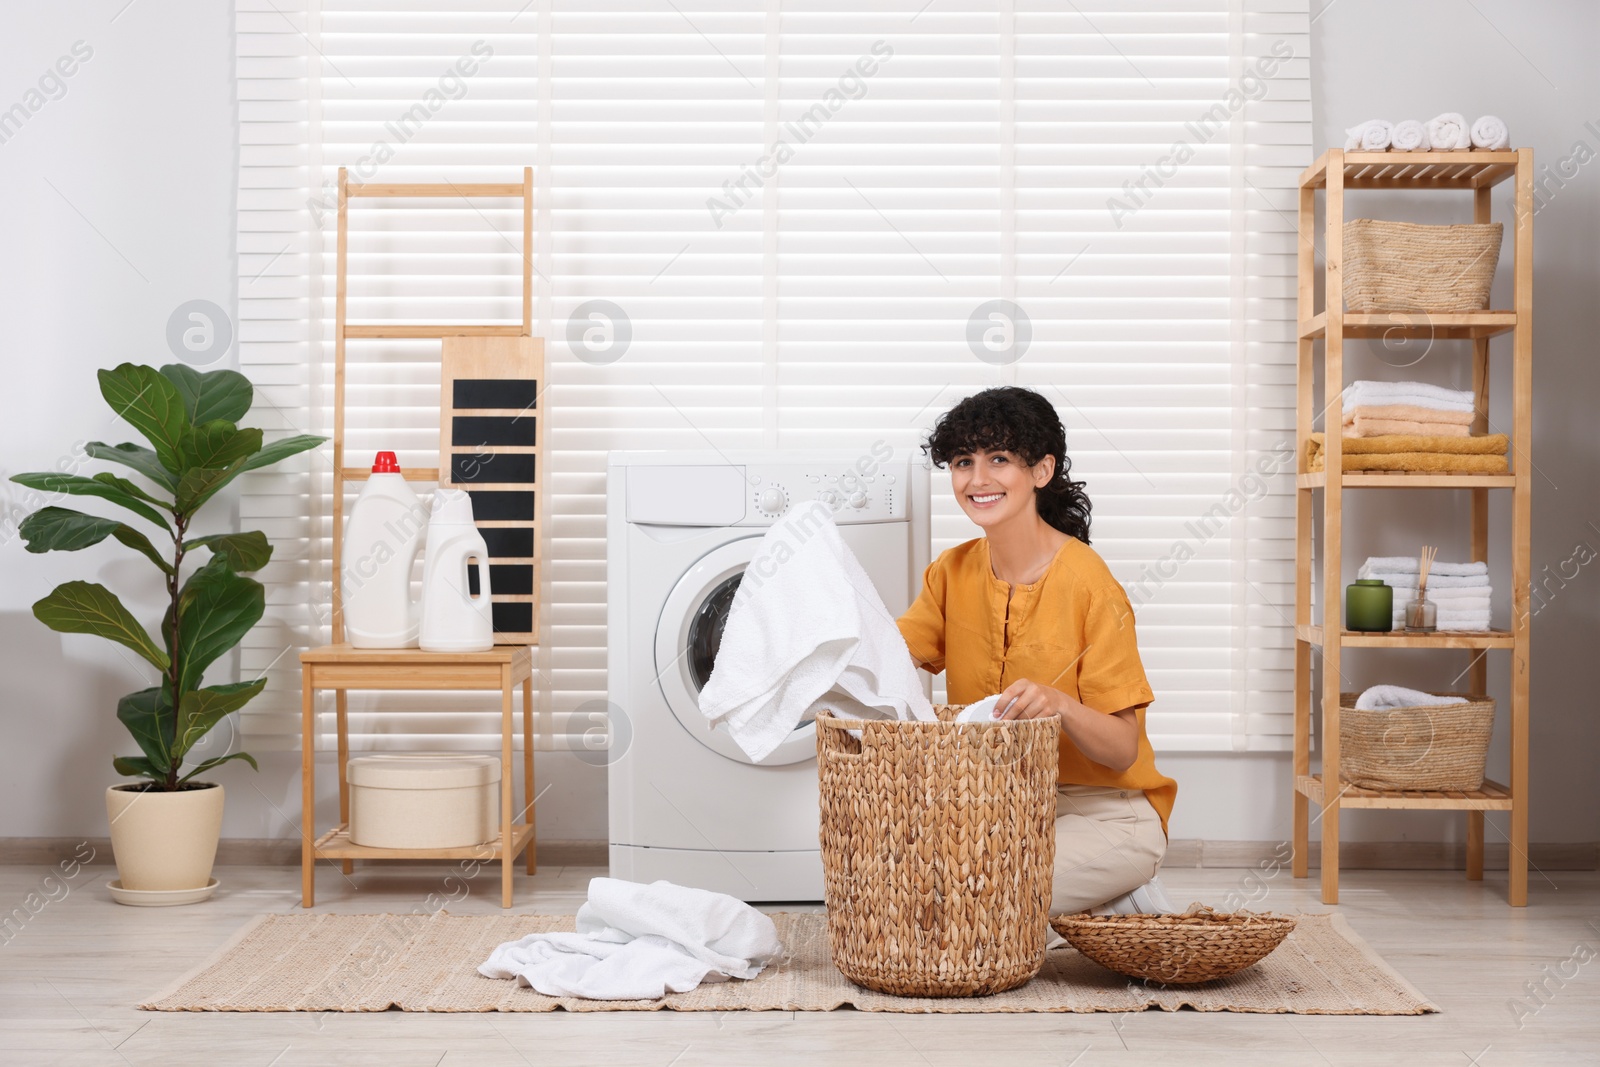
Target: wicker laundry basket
(1436, 746)
(938, 842)
(1407, 266)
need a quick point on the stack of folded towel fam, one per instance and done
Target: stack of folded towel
(1448, 132)
(1460, 590)
(1373, 409)
(1416, 453)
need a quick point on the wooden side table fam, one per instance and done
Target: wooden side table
(342, 668)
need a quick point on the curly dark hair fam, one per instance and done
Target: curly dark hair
(1012, 419)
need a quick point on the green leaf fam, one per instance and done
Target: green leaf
(55, 529)
(279, 450)
(200, 484)
(138, 767)
(219, 444)
(149, 718)
(202, 709)
(210, 763)
(124, 486)
(139, 458)
(215, 609)
(249, 551)
(105, 486)
(208, 395)
(88, 608)
(150, 404)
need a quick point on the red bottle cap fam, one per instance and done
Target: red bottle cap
(386, 464)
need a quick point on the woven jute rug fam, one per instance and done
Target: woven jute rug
(429, 963)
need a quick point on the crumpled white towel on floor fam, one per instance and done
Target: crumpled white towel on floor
(640, 942)
(1449, 132)
(806, 631)
(1379, 697)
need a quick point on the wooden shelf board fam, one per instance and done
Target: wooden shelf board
(1492, 796)
(1399, 480)
(1414, 170)
(399, 189)
(410, 474)
(1398, 639)
(1456, 325)
(427, 331)
(411, 657)
(336, 845)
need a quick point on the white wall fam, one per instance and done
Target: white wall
(140, 152)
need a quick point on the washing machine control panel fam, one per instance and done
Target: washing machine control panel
(871, 489)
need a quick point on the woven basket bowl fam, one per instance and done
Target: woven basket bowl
(938, 842)
(1200, 945)
(1435, 747)
(1408, 266)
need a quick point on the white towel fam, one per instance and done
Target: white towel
(808, 631)
(1395, 696)
(1449, 132)
(1373, 394)
(1371, 136)
(1463, 596)
(640, 942)
(1436, 583)
(1410, 135)
(1410, 565)
(1491, 134)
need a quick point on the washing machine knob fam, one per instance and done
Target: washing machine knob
(829, 497)
(858, 499)
(772, 501)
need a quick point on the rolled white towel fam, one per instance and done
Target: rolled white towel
(1409, 565)
(1449, 132)
(1373, 135)
(1490, 133)
(1377, 697)
(1410, 135)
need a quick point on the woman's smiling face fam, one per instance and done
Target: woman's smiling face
(996, 487)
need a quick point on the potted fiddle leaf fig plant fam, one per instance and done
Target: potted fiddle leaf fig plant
(164, 828)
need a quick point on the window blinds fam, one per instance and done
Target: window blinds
(801, 225)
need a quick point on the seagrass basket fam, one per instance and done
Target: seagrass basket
(938, 841)
(1437, 747)
(1408, 266)
(1201, 945)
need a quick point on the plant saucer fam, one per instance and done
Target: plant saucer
(159, 898)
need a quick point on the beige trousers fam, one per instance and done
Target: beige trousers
(1108, 841)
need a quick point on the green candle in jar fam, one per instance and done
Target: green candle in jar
(1369, 606)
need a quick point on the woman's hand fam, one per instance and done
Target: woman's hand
(1111, 740)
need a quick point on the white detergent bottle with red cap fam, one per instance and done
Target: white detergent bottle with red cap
(381, 540)
(456, 615)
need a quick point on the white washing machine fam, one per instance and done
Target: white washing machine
(687, 804)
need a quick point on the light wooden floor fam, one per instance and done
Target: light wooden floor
(69, 978)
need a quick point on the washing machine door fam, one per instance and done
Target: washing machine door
(688, 637)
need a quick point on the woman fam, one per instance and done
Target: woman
(1031, 612)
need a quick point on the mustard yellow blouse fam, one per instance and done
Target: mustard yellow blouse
(1072, 630)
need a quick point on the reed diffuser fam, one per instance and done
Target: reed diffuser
(1422, 615)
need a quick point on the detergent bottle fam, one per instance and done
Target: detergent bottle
(381, 542)
(456, 616)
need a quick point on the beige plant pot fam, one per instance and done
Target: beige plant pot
(164, 841)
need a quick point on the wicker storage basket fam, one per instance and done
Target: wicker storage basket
(1439, 746)
(938, 842)
(1200, 945)
(1407, 266)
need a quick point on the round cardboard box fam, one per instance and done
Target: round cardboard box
(423, 800)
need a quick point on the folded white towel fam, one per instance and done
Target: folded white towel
(1452, 604)
(1491, 134)
(1367, 393)
(1449, 132)
(640, 942)
(1454, 595)
(1473, 623)
(1370, 136)
(1436, 583)
(1378, 697)
(1410, 565)
(1410, 135)
(808, 631)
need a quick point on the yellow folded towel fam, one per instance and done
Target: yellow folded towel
(1381, 420)
(1357, 458)
(1485, 444)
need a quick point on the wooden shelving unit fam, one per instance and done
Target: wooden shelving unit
(1478, 172)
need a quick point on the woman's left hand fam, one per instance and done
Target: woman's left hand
(1026, 699)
